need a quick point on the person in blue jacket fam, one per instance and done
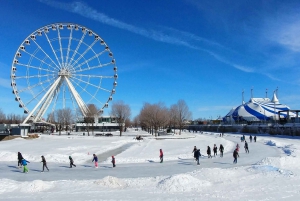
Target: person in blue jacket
(24, 163)
(95, 158)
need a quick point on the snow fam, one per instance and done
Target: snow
(270, 171)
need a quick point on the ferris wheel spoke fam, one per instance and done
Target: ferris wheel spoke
(45, 52)
(78, 46)
(69, 45)
(97, 76)
(32, 55)
(34, 76)
(60, 48)
(90, 59)
(88, 83)
(93, 96)
(35, 85)
(84, 53)
(53, 86)
(93, 67)
(35, 67)
(39, 93)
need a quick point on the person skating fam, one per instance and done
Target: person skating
(250, 138)
(161, 155)
(215, 149)
(235, 155)
(254, 138)
(95, 160)
(113, 161)
(44, 163)
(221, 149)
(237, 147)
(71, 162)
(24, 163)
(194, 151)
(246, 147)
(197, 155)
(20, 157)
(208, 152)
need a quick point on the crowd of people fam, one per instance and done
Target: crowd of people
(23, 162)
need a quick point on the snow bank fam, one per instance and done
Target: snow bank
(181, 183)
(269, 169)
(35, 186)
(111, 182)
(7, 185)
(287, 149)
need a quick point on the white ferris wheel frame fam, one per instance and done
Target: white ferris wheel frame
(64, 67)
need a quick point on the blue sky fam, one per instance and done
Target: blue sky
(204, 52)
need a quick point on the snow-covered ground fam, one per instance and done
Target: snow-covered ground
(270, 172)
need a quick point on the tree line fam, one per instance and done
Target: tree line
(151, 118)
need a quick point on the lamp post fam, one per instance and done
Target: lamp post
(102, 126)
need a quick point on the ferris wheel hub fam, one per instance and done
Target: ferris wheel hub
(64, 72)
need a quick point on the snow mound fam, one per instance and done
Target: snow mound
(181, 183)
(7, 185)
(269, 169)
(35, 186)
(111, 182)
(271, 143)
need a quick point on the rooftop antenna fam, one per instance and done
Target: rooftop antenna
(251, 92)
(277, 92)
(243, 97)
(266, 93)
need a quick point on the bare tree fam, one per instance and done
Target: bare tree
(182, 114)
(2, 117)
(89, 120)
(64, 117)
(121, 112)
(154, 116)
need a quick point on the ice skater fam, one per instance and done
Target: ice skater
(194, 151)
(254, 138)
(246, 147)
(24, 163)
(235, 155)
(215, 149)
(20, 157)
(250, 138)
(113, 161)
(95, 160)
(237, 147)
(208, 152)
(71, 162)
(197, 155)
(44, 163)
(221, 149)
(161, 155)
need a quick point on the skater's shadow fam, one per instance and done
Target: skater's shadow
(87, 166)
(106, 166)
(222, 163)
(150, 161)
(181, 162)
(11, 166)
(64, 166)
(184, 159)
(34, 170)
(19, 171)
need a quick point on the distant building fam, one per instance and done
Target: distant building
(259, 110)
(102, 123)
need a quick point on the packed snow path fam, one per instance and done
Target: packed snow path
(58, 171)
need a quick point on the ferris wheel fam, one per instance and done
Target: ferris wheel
(63, 65)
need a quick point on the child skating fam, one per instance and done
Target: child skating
(24, 163)
(161, 155)
(95, 159)
(113, 161)
(44, 163)
(71, 162)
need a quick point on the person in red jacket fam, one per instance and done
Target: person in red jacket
(161, 155)
(113, 161)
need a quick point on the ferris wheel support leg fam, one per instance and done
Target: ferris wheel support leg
(83, 108)
(46, 103)
(42, 100)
